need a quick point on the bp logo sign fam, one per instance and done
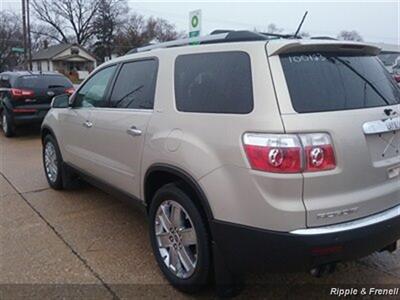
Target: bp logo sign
(195, 21)
(194, 25)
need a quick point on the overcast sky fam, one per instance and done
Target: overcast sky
(376, 21)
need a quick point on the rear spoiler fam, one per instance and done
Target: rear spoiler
(329, 46)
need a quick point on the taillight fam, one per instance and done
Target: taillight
(22, 94)
(69, 91)
(289, 153)
(318, 152)
(277, 153)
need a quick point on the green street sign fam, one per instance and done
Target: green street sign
(193, 37)
(18, 50)
(194, 34)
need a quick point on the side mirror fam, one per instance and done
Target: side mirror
(397, 78)
(60, 101)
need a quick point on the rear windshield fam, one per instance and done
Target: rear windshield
(43, 82)
(329, 81)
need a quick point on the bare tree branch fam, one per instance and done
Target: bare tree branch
(10, 37)
(75, 16)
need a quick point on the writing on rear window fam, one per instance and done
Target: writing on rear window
(313, 57)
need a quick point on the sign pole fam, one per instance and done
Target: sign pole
(24, 33)
(28, 19)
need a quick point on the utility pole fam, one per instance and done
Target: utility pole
(24, 33)
(29, 35)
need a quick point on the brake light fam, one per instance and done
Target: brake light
(22, 94)
(319, 152)
(277, 153)
(69, 91)
(289, 153)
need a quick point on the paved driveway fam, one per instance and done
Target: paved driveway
(85, 244)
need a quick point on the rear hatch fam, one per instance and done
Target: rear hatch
(44, 86)
(343, 90)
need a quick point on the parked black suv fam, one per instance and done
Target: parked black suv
(25, 97)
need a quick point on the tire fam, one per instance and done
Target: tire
(7, 124)
(189, 280)
(52, 162)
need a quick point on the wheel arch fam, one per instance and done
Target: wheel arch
(7, 104)
(158, 175)
(45, 130)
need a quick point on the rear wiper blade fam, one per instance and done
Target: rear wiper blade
(363, 78)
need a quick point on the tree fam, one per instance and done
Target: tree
(10, 37)
(71, 20)
(272, 28)
(139, 31)
(43, 36)
(350, 36)
(109, 18)
(103, 24)
(160, 30)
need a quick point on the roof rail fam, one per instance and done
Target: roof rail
(180, 42)
(323, 38)
(218, 31)
(278, 35)
(219, 36)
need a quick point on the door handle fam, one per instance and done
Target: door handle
(133, 131)
(88, 124)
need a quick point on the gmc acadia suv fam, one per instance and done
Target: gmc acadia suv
(248, 152)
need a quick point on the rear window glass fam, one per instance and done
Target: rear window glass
(43, 82)
(214, 83)
(330, 81)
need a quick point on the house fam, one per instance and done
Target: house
(69, 59)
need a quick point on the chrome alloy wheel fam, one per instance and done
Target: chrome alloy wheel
(50, 161)
(176, 239)
(4, 122)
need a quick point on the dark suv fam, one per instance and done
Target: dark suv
(25, 97)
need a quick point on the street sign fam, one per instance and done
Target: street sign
(19, 50)
(194, 26)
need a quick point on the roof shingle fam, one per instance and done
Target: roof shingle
(50, 52)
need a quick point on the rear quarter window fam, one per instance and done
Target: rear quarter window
(214, 83)
(320, 82)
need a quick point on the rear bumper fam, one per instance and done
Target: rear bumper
(29, 114)
(251, 249)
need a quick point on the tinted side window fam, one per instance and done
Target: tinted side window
(135, 85)
(214, 83)
(93, 92)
